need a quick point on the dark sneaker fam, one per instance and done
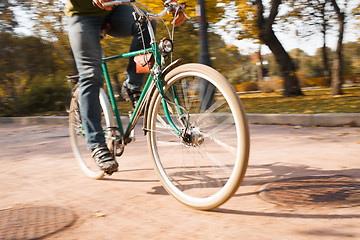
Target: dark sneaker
(104, 159)
(130, 95)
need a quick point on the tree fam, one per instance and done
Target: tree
(312, 66)
(256, 24)
(25, 63)
(244, 72)
(337, 80)
(7, 17)
(48, 16)
(267, 35)
(351, 58)
(356, 13)
(316, 16)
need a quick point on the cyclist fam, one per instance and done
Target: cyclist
(86, 19)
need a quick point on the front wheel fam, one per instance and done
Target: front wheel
(204, 165)
(77, 136)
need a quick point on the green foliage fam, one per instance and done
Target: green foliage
(311, 67)
(272, 65)
(351, 53)
(244, 72)
(184, 34)
(50, 96)
(49, 25)
(26, 63)
(32, 69)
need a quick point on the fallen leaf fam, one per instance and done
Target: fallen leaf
(99, 214)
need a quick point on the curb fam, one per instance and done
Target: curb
(307, 120)
(36, 120)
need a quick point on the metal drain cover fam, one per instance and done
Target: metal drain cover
(313, 191)
(33, 222)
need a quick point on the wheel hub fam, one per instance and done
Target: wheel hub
(193, 137)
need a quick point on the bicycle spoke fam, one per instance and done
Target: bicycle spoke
(220, 127)
(224, 145)
(167, 143)
(215, 161)
(185, 94)
(210, 110)
(162, 124)
(197, 164)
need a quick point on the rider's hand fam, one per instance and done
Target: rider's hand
(99, 3)
(180, 17)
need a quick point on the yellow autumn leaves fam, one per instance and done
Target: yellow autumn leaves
(314, 101)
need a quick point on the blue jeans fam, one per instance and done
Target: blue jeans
(84, 37)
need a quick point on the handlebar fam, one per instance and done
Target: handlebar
(167, 6)
(117, 2)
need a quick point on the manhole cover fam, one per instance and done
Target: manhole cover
(314, 191)
(33, 222)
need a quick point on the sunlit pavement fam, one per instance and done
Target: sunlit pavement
(38, 169)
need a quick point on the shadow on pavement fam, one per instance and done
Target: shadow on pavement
(260, 174)
(286, 215)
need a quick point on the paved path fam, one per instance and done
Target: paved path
(38, 169)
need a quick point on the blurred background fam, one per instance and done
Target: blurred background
(262, 46)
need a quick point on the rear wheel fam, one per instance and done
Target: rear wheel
(204, 165)
(77, 136)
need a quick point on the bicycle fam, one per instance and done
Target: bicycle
(198, 140)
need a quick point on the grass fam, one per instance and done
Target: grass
(314, 101)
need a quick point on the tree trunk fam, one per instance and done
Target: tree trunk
(327, 71)
(267, 35)
(286, 64)
(337, 80)
(260, 67)
(15, 98)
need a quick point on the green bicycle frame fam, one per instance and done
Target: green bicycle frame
(155, 50)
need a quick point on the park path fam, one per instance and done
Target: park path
(38, 169)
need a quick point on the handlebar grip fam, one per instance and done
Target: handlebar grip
(117, 2)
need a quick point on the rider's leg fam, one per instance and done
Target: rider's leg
(84, 36)
(124, 25)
